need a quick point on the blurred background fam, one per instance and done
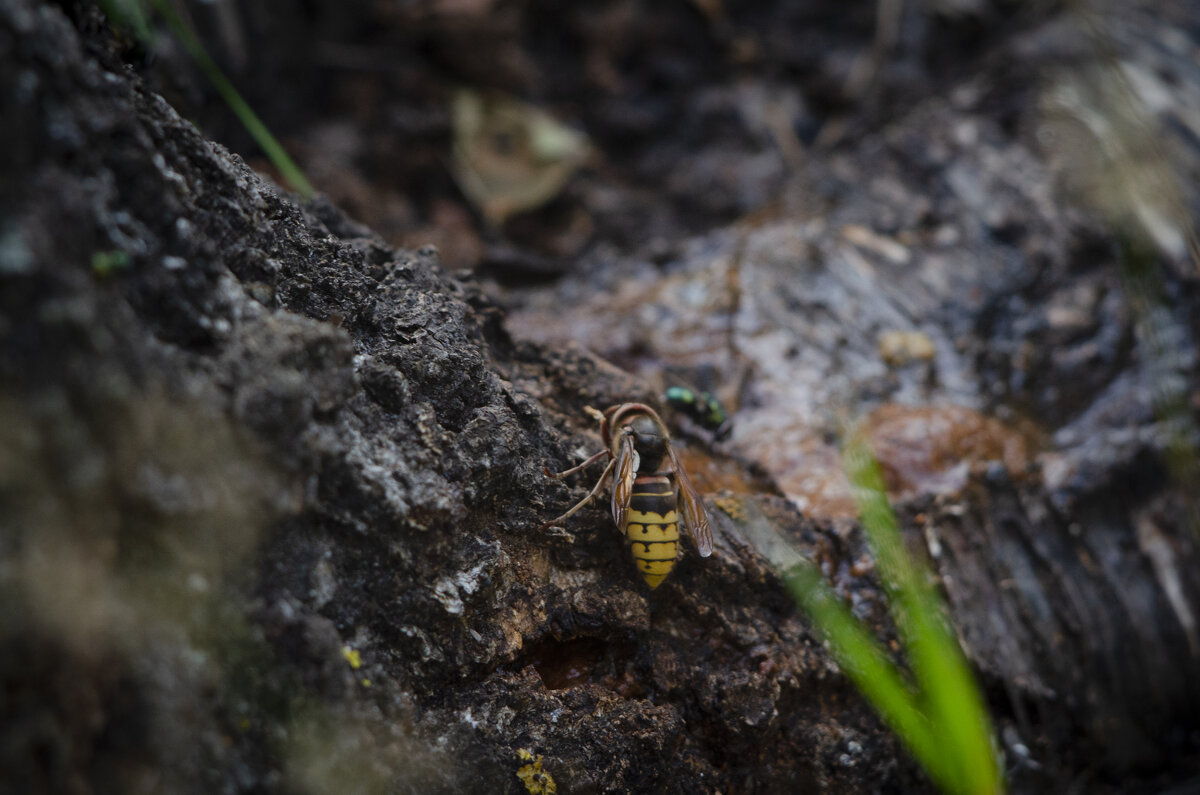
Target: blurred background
(960, 230)
(811, 210)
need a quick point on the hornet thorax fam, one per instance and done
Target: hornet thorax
(650, 437)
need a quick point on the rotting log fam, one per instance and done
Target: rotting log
(270, 497)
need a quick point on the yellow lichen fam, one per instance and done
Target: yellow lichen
(536, 780)
(352, 656)
(733, 507)
(899, 348)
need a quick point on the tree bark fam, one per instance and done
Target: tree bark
(271, 489)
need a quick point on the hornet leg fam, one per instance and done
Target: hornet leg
(591, 496)
(573, 470)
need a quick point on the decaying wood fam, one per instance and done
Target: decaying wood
(271, 489)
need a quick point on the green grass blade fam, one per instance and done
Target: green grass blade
(864, 661)
(262, 136)
(951, 700)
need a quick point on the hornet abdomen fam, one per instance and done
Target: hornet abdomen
(652, 526)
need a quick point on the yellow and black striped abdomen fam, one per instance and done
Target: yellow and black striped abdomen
(652, 527)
